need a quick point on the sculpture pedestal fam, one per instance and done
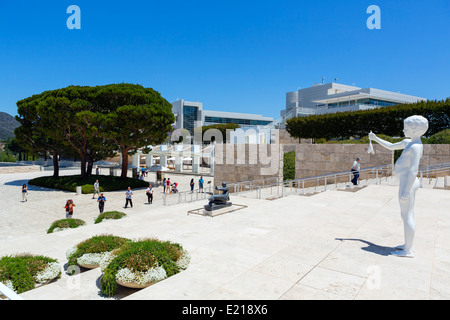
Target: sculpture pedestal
(215, 207)
(217, 211)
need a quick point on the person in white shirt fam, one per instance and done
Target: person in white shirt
(96, 189)
(149, 192)
(355, 169)
(128, 195)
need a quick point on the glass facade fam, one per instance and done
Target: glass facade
(190, 115)
(246, 122)
(371, 102)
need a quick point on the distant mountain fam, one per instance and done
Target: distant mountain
(7, 125)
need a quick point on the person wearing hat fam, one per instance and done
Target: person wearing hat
(355, 169)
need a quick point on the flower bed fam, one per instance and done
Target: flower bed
(63, 224)
(90, 252)
(25, 271)
(109, 215)
(139, 264)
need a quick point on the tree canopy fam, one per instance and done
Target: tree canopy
(95, 122)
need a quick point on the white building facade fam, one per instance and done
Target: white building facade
(190, 115)
(335, 97)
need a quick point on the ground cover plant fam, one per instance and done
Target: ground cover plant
(143, 262)
(24, 271)
(109, 215)
(63, 224)
(91, 251)
(70, 183)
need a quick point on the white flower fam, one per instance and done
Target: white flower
(91, 258)
(52, 271)
(106, 258)
(153, 275)
(184, 260)
(70, 252)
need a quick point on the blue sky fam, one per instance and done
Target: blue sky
(239, 56)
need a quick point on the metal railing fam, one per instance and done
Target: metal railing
(311, 185)
(431, 174)
(187, 196)
(272, 188)
(8, 293)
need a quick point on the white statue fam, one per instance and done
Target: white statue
(406, 170)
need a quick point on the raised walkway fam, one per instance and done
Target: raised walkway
(333, 245)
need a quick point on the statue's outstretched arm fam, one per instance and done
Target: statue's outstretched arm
(391, 146)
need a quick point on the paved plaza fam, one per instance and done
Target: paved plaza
(333, 245)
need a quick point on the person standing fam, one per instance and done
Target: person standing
(96, 189)
(101, 202)
(69, 208)
(192, 185)
(200, 184)
(164, 185)
(24, 193)
(355, 169)
(168, 185)
(128, 195)
(149, 193)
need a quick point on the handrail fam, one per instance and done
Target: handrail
(8, 293)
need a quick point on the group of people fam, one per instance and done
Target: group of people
(170, 187)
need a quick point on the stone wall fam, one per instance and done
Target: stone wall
(318, 159)
(247, 162)
(250, 162)
(435, 153)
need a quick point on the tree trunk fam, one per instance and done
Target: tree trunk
(83, 167)
(124, 163)
(55, 164)
(89, 167)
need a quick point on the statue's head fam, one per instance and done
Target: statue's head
(415, 126)
(224, 184)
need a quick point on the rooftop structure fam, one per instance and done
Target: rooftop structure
(190, 115)
(335, 97)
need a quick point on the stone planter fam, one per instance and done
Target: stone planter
(133, 285)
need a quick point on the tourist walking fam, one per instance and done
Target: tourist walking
(69, 208)
(149, 193)
(24, 193)
(128, 195)
(101, 202)
(164, 185)
(96, 189)
(168, 185)
(355, 169)
(200, 184)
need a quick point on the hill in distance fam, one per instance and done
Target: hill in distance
(7, 125)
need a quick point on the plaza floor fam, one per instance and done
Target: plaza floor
(333, 245)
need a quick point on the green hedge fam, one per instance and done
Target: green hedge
(66, 224)
(70, 183)
(109, 215)
(386, 120)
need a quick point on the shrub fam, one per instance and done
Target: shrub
(387, 120)
(143, 262)
(22, 272)
(289, 166)
(70, 183)
(91, 251)
(109, 215)
(58, 225)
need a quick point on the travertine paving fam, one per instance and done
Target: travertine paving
(333, 245)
